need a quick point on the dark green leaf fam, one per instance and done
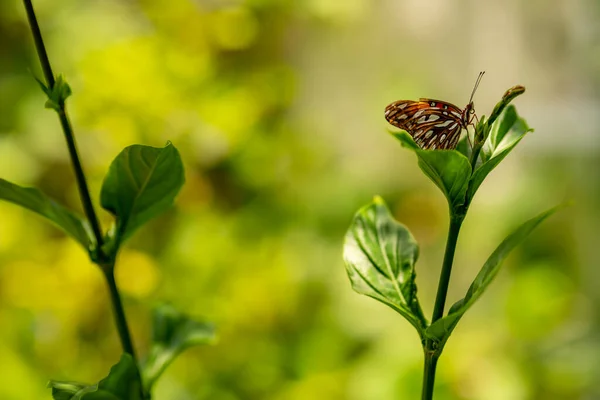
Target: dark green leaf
(380, 256)
(172, 333)
(448, 169)
(141, 183)
(122, 383)
(123, 380)
(506, 133)
(441, 329)
(38, 202)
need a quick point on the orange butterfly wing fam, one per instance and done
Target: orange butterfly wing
(433, 124)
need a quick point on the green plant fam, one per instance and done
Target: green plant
(141, 183)
(380, 253)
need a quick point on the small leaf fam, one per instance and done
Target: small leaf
(441, 329)
(172, 333)
(122, 383)
(380, 255)
(66, 390)
(141, 183)
(448, 169)
(38, 202)
(506, 99)
(57, 94)
(506, 133)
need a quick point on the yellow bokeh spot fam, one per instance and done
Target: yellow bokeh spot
(136, 273)
(234, 28)
(11, 226)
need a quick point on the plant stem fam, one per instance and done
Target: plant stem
(440, 299)
(432, 353)
(84, 192)
(119, 312)
(429, 375)
(121, 321)
(475, 156)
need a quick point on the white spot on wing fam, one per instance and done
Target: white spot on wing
(444, 124)
(419, 113)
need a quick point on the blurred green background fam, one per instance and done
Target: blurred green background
(277, 109)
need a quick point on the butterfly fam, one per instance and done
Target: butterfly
(433, 124)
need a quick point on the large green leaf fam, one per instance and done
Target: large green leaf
(141, 183)
(172, 333)
(441, 329)
(38, 202)
(380, 256)
(448, 169)
(122, 383)
(505, 134)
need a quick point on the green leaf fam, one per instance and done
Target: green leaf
(380, 256)
(141, 183)
(68, 390)
(441, 329)
(506, 133)
(172, 333)
(509, 96)
(123, 380)
(36, 201)
(122, 383)
(448, 169)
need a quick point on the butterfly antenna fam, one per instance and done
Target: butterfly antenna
(476, 85)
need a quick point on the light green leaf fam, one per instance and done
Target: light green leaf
(441, 329)
(36, 201)
(58, 94)
(380, 256)
(141, 183)
(172, 333)
(448, 169)
(506, 133)
(67, 390)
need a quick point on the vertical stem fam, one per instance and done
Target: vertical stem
(119, 312)
(431, 352)
(440, 300)
(428, 376)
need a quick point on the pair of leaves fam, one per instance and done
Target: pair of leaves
(173, 332)
(380, 256)
(451, 170)
(141, 183)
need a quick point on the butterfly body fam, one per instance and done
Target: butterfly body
(433, 124)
